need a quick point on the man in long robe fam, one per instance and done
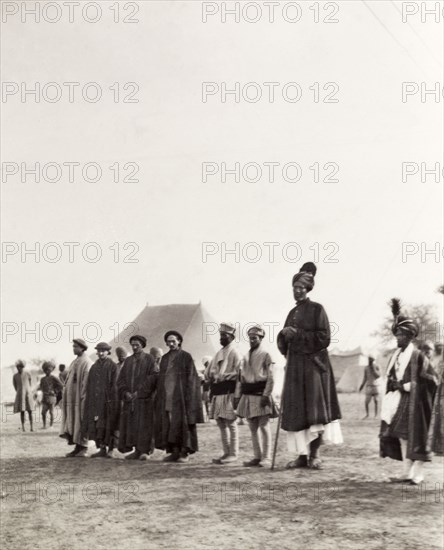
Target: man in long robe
(102, 403)
(223, 373)
(178, 402)
(407, 405)
(136, 386)
(310, 404)
(73, 400)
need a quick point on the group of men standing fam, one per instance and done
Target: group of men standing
(147, 401)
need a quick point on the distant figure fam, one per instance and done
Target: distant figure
(63, 374)
(101, 404)
(372, 383)
(73, 401)
(122, 354)
(178, 402)
(428, 349)
(23, 399)
(156, 354)
(205, 385)
(51, 388)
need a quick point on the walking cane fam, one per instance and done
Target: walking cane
(276, 439)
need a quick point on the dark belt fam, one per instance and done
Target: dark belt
(253, 388)
(223, 388)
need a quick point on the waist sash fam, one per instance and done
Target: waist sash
(223, 388)
(253, 388)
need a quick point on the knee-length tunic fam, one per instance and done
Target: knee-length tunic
(224, 367)
(256, 368)
(309, 395)
(22, 385)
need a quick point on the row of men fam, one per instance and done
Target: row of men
(142, 406)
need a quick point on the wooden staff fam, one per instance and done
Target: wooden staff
(276, 439)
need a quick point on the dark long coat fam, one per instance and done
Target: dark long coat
(414, 411)
(186, 405)
(309, 395)
(138, 374)
(102, 404)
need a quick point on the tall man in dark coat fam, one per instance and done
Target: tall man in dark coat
(178, 402)
(310, 404)
(136, 386)
(407, 405)
(102, 403)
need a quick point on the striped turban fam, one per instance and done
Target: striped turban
(407, 325)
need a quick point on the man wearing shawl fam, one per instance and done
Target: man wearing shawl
(73, 400)
(310, 408)
(256, 402)
(136, 386)
(102, 403)
(178, 402)
(223, 373)
(407, 405)
(23, 399)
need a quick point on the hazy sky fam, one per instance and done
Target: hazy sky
(170, 132)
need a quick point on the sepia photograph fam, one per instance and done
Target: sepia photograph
(222, 288)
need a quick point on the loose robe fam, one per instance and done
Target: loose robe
(436, 432)
(178, 403)
(413, 412)
(138, 374)
(309, 395)
(73, 401)
(102, 402)
(22, 385)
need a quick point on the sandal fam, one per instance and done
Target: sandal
(315, 464)
(300, 462)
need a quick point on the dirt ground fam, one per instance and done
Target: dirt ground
(53, 502)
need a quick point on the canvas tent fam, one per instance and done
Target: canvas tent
(348, 368)
(198, 329)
